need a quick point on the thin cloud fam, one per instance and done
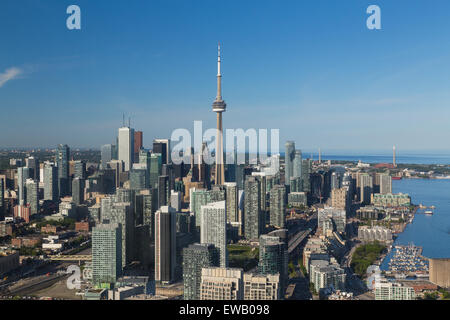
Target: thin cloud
(9, 74)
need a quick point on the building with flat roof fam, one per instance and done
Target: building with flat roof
(440, 272)
(106, 253)
(386, 290)
(222, 284)
(261, 286)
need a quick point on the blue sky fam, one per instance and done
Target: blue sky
(310, 68)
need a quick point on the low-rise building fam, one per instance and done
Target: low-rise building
(391, 200)
(386, 290)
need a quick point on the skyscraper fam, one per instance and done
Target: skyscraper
(219, 106)
(33, 164)
(366, 186)
(385, 184)
(106, 253)
(23, 173)
(165, 244)
(196, 257)
(289, 158)
(80, 169)
(139, 178)
(138, 143)
(232, 201)
(62, 160)
(273, 257)
(32, 195)
(126, 146)
(162, 146)
(394, 160)
(78, 190)
(115, 210)
(50, 182)
(297, 164)
(214, 228)
(163, 191)
(252, 209)
(106, 155)
(155, 169)
(278, 206)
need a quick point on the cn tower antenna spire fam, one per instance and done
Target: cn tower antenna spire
(219, 75)
(219, 106)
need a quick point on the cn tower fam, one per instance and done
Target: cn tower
(219, 106)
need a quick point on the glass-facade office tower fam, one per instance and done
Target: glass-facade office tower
(278, 206)
(106, 253)
(162, 146)
(196, 257)
(62, 160)
(51, 182)
(288, 161)
(155, 169)
(252, 209)
(32, 195)
(78, 190)
(106, 153)
(117, 209)
(80, 169)
(273, 257)
(165, 244)
(23, 173)
(33, 164)
(139, 179)
(214, 228)
(126, 146)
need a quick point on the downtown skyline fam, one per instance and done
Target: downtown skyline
(315, 75)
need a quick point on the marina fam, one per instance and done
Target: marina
(407, 261)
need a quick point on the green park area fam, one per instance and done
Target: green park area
(244, 257)
(365, 256)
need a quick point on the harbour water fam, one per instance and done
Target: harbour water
(431, 232)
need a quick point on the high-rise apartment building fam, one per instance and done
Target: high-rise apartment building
(106, 253)
(297, 164)
(366, 187)
(385, 184)
(289, 161)
(32, 195)
(195, 257)
(213, 228)
(50, 182)
(253, 219)
(278, 206)
(62, 161)
(118, 209)
(232, 202)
